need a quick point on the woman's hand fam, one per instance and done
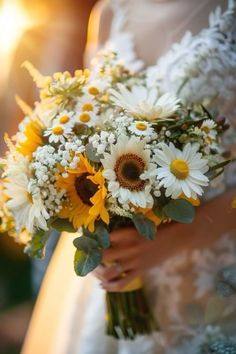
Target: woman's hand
(130, 256)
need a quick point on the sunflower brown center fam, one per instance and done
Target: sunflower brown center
(128, 169)
(85, 188)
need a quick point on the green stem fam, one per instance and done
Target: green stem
(129, 315)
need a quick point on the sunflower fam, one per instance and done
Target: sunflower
(32, 138)
(86, 193)
(128, 171)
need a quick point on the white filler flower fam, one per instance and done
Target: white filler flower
(181, 171)
(144, 103)
(124, 169)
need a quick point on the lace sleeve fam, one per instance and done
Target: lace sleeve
(203, 65)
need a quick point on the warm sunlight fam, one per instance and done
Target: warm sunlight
(13, 23)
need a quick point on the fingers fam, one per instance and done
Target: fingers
(119, 254)
(125, 236)
(119, 284)
(107, 273)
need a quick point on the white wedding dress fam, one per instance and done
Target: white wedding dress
(69, 317)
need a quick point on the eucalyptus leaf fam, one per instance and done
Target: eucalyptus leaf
(102, 236)
(158, 211)
(144, 226)
(36, 247)
(86, 262)
(85, 243)
(63, 225)
(91, 153)
(180, 210)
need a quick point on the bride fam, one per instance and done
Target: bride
(182, 265)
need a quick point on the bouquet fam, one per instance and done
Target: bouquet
(104, 149)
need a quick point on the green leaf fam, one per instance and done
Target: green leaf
(91, 153)
(158, 211)
(85, 243)
(86, 262)
(36, 247)
(180, 210)
(220, 165)
(63, 225)
(206, 112)
(214, 174)
(144, 226)
(102, 236)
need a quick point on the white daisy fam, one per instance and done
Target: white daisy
(124, 168)
(96, 87)
(181, 171)
(208, 128)
(144, 103)
(25, 203)
(141, 128)
(65, 119)
(88, 118)
(86, 103)
(57, 133)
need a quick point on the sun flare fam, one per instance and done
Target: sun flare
(13, 23)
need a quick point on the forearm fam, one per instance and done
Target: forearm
(213, 219)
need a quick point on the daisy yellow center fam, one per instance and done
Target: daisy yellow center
(208, 140)
(128, 169)
(29, 197)
(206, 130)
(87, 107)
(179, 168)
(84, 117)
(64, 119)
(57, 130)
(85, 188)
(141, 126)
(93, 90)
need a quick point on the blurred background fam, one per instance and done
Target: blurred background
(52, 35)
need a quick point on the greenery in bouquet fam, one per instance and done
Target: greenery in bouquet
(103, 149)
